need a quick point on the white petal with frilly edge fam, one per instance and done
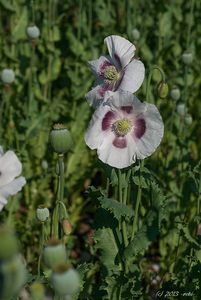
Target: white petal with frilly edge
(133, 76)
(95, 134)
(13, 187)
(120, 48)
(10, 167)
(153, 135)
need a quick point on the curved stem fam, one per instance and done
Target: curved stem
(150, 77)
(41, 247)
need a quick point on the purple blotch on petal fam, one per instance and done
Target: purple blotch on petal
(127, 109)
(140, 128)
(120, 142)
(107, 120)
(118, 61)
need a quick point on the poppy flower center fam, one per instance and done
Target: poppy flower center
(122, 127)
(111, 75)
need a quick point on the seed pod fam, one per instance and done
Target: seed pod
(33, 32)
(37, 291)
(65, 281)
(136, 34)
(175, 93)
(188, 119)
(42, 213)
(7, 76)
(60, 139)
(13, 276)
(54, 253)
(187, 58)
(162, 89)
(181, 109)
(67, 227)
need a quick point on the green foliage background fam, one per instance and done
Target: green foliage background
(51, 82)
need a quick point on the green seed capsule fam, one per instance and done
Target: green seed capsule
(188, 119)
(13, 276)
(136, 34)
(37, 291)
(181, 109)
(187, 58)
(175, 93)
(60, 139)
(7, 76)
(33, 32)
(163, 89)
(54, 253)
(65, 281)
(42, 213)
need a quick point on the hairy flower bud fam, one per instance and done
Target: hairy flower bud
(7, 76)
(162, 89)
(65, 281)
(13, 276)
(60, 139)
(42, 213)
(33, 32)
(136, 34)
(67, 227)
(199, 229)
(54, 253)
(188, 119)
(175, 93)
(181, 109)
(187, 58)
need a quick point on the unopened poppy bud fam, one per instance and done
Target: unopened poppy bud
(54, 253)
(187, 58)
(13, 276)
(181, 109)
(9, 243)
(199, 229)
(60, 139)
(162, 89)
(37, 291)
(44, 164)
(7, 76)
(33, 32)
(188, 119)
(42, 213)
(136, 34)
(65, 280)
(175, 93)
(67, 227)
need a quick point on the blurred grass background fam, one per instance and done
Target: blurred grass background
(52, 79)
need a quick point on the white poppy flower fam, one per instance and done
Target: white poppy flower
(117, 71)
(10, 168)
(124, 129)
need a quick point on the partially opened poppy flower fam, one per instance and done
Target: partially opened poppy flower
(124, 129)
(118, 70)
